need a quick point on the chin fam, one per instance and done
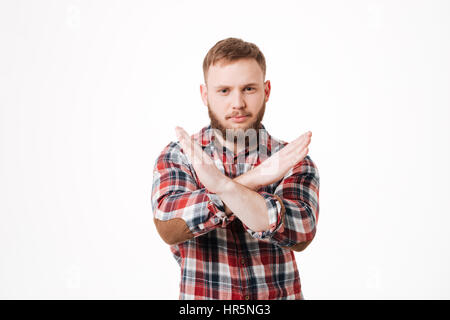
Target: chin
(246, 123)
(243, 126)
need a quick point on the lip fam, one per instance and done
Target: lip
(239, 119)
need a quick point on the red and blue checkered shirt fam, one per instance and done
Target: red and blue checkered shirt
(220, 257)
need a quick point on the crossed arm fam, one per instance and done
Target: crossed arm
(249, 181)
(257, 210)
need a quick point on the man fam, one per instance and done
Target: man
(232, 201)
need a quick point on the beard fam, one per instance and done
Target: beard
(256, 124)
(239, 136)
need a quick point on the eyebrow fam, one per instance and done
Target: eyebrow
(245, 85)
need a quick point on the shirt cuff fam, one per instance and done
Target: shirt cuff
(275, 210)
(217, 208)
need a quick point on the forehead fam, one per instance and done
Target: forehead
(237, 72)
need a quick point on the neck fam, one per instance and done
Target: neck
(236, 143)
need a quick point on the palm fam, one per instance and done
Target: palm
(207, 172)
(277, 165)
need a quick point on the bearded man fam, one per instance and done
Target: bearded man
(233, 202)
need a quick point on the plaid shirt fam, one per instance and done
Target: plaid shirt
(220, 257)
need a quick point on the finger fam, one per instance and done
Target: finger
(298, 149)
(303, 154)
(181, 133)
(194, 145)
(185, 143)
(296, 143)
(306, 152)
(304, 135)
(306, 142)
(187, 150)
(300, 156)
(177, 133)
(295, 151)
(295, 147)
(200, 156)
(196, 153)
(300, 141)
(304, 146)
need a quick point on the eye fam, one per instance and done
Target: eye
(251, 88)
(223, 90)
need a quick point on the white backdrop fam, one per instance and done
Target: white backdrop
(90, 93)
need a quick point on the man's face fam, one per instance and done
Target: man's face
(233, 90)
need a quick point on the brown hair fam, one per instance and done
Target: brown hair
(232, 49)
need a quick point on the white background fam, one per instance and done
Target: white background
(90, 93)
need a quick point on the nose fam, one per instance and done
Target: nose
(238, 101)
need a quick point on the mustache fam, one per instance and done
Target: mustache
(238, 115)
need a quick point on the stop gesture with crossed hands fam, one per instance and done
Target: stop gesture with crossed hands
(269, 171)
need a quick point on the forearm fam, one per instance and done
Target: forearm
(181, 216)
(246, 204)
(248, 180)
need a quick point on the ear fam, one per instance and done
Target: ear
(267, 90)
(204, 94)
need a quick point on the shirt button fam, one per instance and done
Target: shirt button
(247, 297)
(242, 261)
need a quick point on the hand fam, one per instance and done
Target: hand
(277, 165)
(208, 173)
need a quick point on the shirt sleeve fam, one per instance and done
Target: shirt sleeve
(181, 209)
(293, 208)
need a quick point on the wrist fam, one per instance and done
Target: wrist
(249, 179)
(225, 185)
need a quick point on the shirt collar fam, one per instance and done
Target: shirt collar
(205, 137)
